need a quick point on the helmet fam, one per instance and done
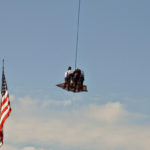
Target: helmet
(69, 68)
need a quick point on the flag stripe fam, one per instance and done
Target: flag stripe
(5, 104)
(5, 108)
(4, 118)
(4, 114)
(4, 99)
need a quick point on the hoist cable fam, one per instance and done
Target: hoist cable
(77, 40)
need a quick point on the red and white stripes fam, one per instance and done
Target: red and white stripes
(5, 109)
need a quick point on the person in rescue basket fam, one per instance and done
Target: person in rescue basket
(68, 75)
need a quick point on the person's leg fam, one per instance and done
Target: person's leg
(65, 83)
(74, 83)
(68, 83)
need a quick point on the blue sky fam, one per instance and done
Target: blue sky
(37, 41)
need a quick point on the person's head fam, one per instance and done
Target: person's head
(69, 68)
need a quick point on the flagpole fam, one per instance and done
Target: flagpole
(1, 132)
(3, 66)
(1, 80)
(2, 75)
(1, 89)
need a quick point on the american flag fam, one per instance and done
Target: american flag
(5, 105)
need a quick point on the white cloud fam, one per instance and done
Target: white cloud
(47, 103)
(10, 147)
(12, 97)
(110, 112)
(32, 148)
(27, 101)
(28, 148)
(95, 127)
